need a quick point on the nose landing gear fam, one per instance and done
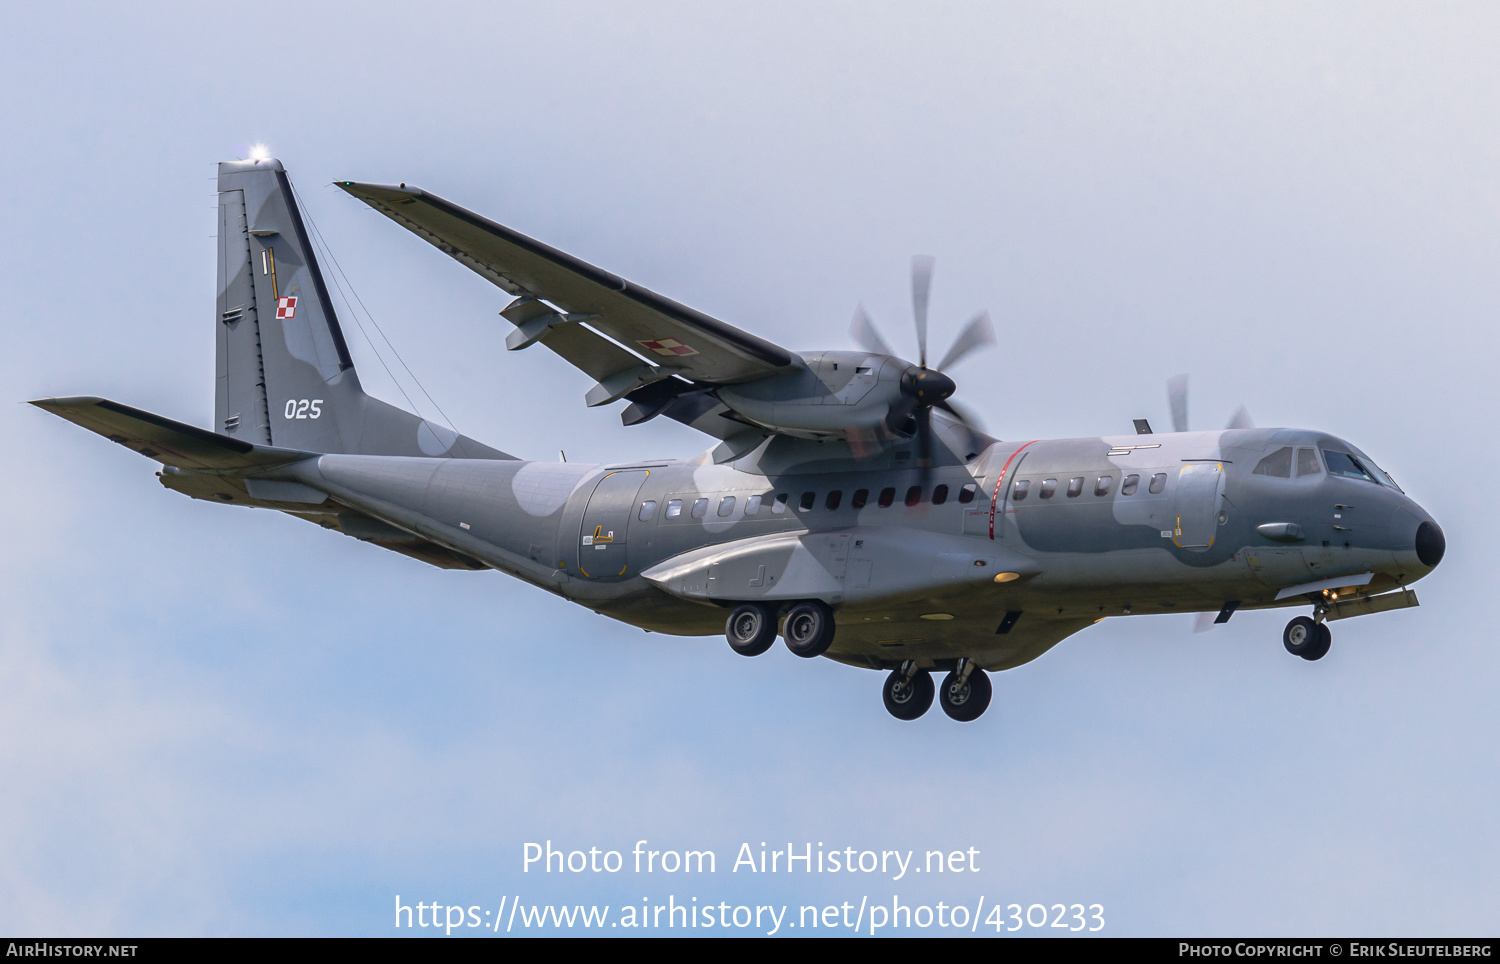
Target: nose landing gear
(908, 691)
(966, 692)
(1307, 637)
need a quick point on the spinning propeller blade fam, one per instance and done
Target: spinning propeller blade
(864, 333)
(978, 333)
(1177, 398)
(921, 291)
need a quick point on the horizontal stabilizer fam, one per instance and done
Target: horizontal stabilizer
(169, 442)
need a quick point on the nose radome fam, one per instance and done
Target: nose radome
(1430, 544)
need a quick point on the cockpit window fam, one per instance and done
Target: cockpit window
(1341, 463)
(1385, 477)
(1278, 465)
(1307, 462)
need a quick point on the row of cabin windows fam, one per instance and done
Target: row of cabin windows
(807, 502)
(1102, 485)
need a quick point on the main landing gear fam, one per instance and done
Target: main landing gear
(751, 629)
(909, 690)
(1308, 637)
(808, 628)
(964, 695)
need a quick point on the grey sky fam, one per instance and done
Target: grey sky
(221, 721)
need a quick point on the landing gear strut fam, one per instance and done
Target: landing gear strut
(908, 691)
(751, 629)
(966, 692)
(1307, 637)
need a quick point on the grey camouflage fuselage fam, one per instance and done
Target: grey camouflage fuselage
(971, 549)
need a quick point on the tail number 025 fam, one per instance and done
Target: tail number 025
(304, 407)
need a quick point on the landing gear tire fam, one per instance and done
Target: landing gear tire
(751, 629)
(968, 700)
(1322, 639)
(1301, 637)
(808, 629)
(908, 699)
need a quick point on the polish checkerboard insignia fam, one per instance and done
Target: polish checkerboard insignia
(286, 307)
(669, 347)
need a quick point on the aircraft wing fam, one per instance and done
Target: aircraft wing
(669, 338)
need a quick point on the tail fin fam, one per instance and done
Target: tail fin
(284, 374)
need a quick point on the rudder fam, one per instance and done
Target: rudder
(284, 375)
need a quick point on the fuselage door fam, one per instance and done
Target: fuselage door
(601, 543)
(1196, 504)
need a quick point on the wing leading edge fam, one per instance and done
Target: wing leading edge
(566, 304)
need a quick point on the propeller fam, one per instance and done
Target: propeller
(1177, 398)
(923, 388)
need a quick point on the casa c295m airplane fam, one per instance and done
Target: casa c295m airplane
(848, 506)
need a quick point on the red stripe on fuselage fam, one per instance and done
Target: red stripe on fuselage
(995, 500)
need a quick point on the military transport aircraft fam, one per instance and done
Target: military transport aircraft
(848, 506)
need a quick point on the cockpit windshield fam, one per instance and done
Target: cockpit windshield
(1354, 467)
(1384, 476)
(1346, 465)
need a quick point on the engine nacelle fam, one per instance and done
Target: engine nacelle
(834, 394)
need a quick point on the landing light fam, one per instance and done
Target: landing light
(1007, 576)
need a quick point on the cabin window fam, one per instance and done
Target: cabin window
(1158, 483)
(752, 505)
(1075, 487)
(808, 498)
(1278, 465)
(940, 495)
(966, 494)
(779, 506)
(674, 508)
(860, 498)
(1307, 462)
(700, 508)
(1018, 493)
(726, 506)
(1132, 482)
(887, 496)
(914, 495)
(1049, 489)
(1103, 485)
(833, 500)
(648, 509)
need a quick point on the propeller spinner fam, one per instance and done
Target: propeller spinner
(923, 388)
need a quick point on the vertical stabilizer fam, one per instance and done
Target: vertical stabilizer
(284, 375)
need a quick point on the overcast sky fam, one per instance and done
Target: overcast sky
(223, 721)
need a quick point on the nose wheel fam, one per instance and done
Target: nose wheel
(966, 692)
(1307, 638)
(908, 691)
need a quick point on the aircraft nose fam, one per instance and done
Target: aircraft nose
(1430, 544)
